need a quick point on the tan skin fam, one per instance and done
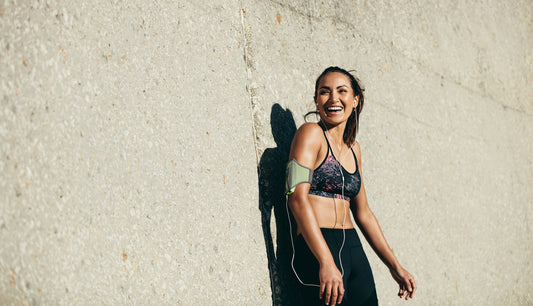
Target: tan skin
(335, 102)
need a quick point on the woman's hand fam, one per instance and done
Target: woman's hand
(406, 282)
(331, 285)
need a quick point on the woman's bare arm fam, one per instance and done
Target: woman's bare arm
(305, 149)
(369, 225)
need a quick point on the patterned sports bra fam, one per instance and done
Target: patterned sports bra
(327, 180)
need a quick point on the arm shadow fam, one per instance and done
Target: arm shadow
(271, 172)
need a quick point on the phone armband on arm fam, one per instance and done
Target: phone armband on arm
(296, 174)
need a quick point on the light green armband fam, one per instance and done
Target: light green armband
(296, 174)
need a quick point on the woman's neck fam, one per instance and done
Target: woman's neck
(335, 133)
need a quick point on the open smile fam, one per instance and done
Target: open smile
(334, 110)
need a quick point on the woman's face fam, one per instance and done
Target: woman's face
(335, 99)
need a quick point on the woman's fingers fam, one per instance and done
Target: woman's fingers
(331, 285)
(330, 300)
(400, 292)
(341, 293)
(332, 292)
(413, 283)
(406, 283)
(328, 294)
(410, 287)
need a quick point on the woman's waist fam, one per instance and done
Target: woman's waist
(331, 213)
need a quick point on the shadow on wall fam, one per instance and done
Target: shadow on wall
(271, 173)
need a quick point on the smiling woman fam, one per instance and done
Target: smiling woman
(348, 89)
(324, 184)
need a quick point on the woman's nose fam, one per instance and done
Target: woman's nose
(333, 96)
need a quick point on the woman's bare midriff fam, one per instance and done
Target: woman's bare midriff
(330, 213)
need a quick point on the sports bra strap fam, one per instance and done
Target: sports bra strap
(355, 159)
(327, 141)
(331, 150)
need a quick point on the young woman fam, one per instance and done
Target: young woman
(324, 184)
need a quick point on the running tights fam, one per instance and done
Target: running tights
(358, 280)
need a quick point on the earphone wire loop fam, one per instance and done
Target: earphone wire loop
(292, 244)
(343, 223)
(343, 204)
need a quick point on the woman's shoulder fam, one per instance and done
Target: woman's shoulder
(308, 137)
(357, 150)
(356, 147)
(310, 128)
(309, 132)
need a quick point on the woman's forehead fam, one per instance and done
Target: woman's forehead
(334, 78)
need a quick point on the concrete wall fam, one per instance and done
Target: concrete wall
(142, 145)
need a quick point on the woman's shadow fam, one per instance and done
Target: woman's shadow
(271, 171)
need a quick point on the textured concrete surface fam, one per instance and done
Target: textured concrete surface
(128, 162)
(142, 145)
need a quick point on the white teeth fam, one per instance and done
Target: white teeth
(335, 108)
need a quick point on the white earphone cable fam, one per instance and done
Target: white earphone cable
(335, 207)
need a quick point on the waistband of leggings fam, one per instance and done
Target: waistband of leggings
(336, 230)
(338, 234)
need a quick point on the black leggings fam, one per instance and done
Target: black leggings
(358, 280)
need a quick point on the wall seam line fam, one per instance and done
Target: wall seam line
(248, 78)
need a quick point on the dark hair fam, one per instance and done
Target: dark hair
(352, 126)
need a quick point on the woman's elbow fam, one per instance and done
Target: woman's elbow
(297, 202)
(364, 215)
